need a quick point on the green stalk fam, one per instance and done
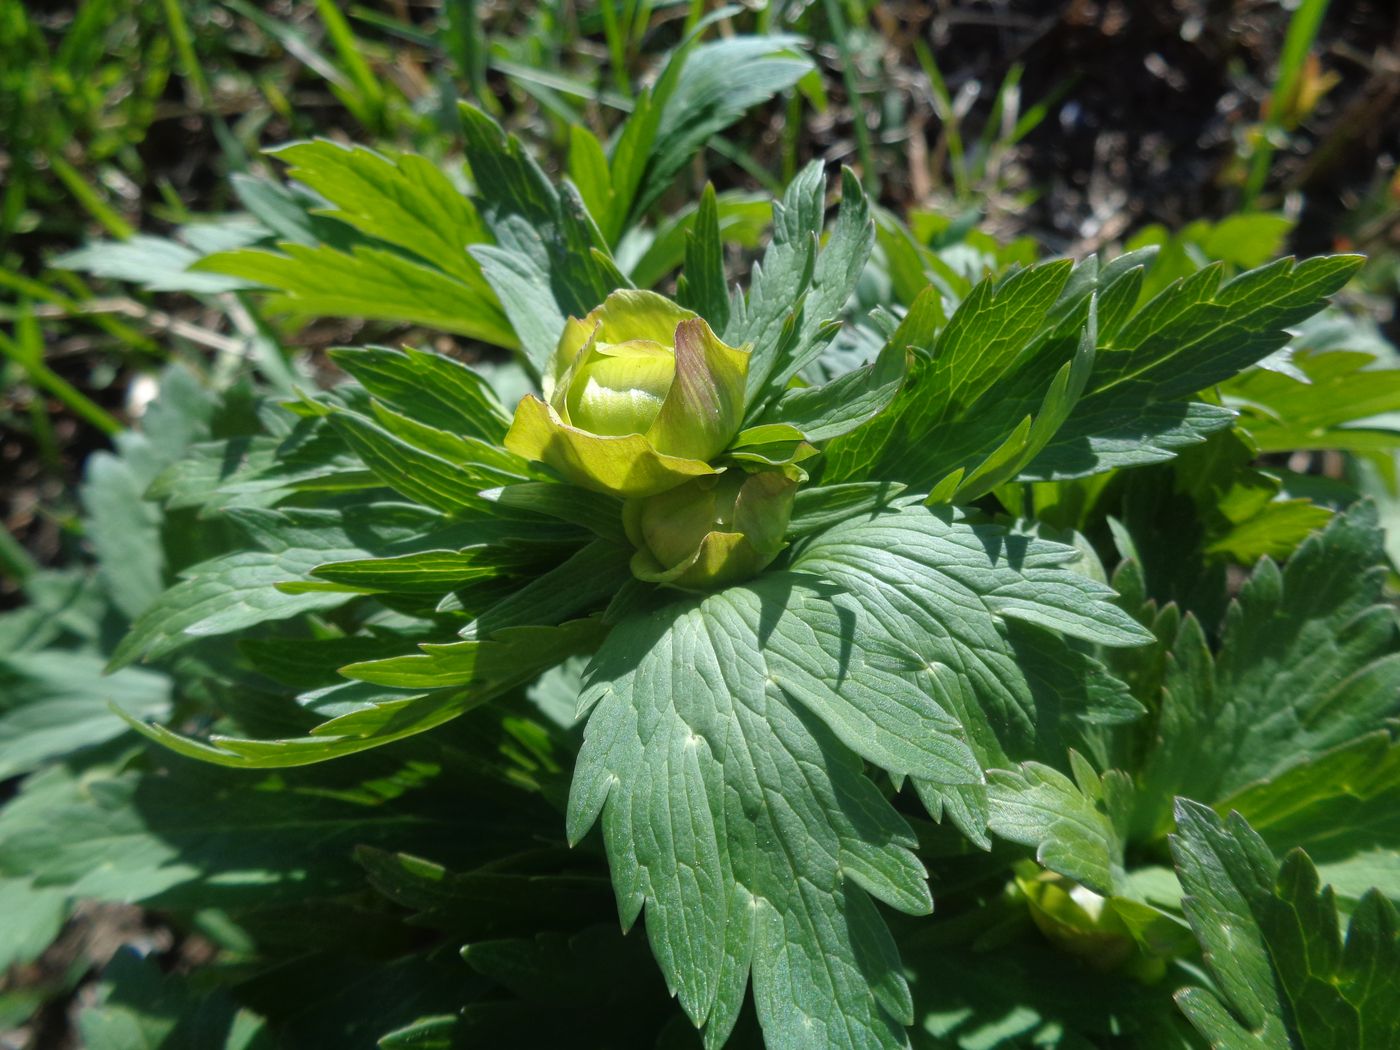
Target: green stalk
(841, 33)
(90, 199)
(617, 48)
(342, 37)
(952, 131)
(1302, 33)
(194, 74)
(44, 376)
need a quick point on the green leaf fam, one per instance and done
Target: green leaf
(551, 262)
(743, 219)
(137, 1007)
(883, 637)
(403, 200)
(56, 702)
(32, 918)
(226, 594)
(947, 592)
(193, 836)
(1068, 822)
(817, 509)
(705, 289)
(1343, 807)
(124, 532)
(450, 679)
(1308, 661)
(840, 406)
(484, 903)
(367, 281)
(1029, 993)
(432, 388)
(161, 264)
(1343, 390)
(743, 825)
(972, 400)
(1196, 333)
(718, 82)
(1285, 977)
(238, 590)
(435, 467)
(796, 291)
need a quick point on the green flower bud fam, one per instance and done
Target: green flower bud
(710, 532)
(1109, 933)
(639, 396)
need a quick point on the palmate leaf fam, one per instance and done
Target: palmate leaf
(408, 259)
(238, 590)
(1285, 977)
(798, 290)
(1343, 807)
(1307, 663)
(549, 261)
(423, 692)
(989, 606)
(1344, 390)
(998, 368)
(721, 752)
(1197, 332)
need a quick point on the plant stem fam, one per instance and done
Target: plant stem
(1302, 32)
(840, 32)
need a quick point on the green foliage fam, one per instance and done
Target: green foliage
(1036, 613)
(1270, 934)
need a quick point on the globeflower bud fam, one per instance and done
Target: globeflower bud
(710, 532)
(639, 396)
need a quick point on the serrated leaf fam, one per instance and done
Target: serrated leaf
(238, 590)
(1326, 404)
(706, 289)
(1194, 334)
(880, 635)
(226, 594)
(944, 590)
(1067, 823)
(838, 407)
(544, 268)
(432, 388)
(55, 702)
(688, 737)
(439, 685)
(367, 281)
(403, 200)
(1308, 661)
(708, 97)
(1343, 807)
(432, 466)
(797, 290)
(1011, 352)
(1284, 974)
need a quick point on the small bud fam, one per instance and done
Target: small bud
(641, 394)
(710, 532)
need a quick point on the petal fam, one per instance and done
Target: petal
(632, 314)
(626, 466)
(762, 509)
(722, 559)
(706, 402)
(577, 335)
(620, 387)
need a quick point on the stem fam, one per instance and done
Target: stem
(840, 32)
(1302, 32)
